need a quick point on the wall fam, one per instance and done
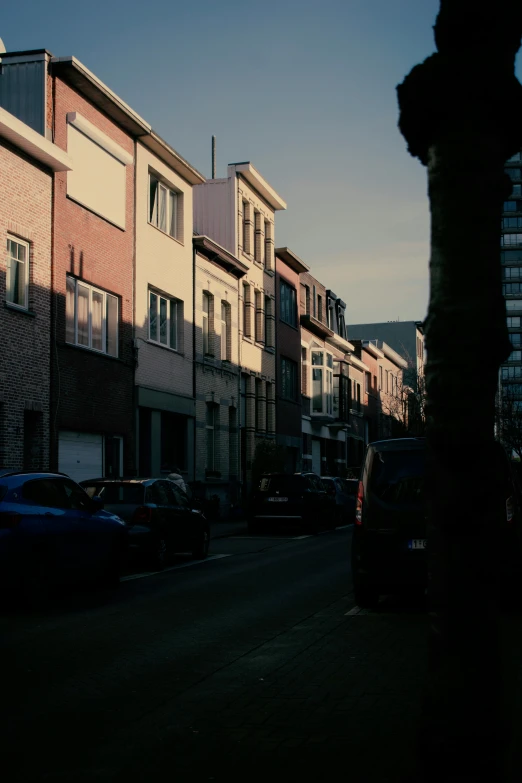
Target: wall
(289, 345)
(166, 264)
(25, 212)
(92, 392)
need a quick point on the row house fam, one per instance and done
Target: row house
(28, 162)
(238, 213)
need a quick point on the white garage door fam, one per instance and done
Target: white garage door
(80, 455)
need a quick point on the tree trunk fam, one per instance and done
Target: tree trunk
(453, 118)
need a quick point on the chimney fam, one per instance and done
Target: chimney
(213, 157)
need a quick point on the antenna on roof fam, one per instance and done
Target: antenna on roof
(213, 157)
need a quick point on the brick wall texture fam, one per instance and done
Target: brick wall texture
(25, 214)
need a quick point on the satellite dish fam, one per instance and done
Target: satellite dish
(2, 47)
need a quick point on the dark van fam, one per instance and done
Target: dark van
(292, 500)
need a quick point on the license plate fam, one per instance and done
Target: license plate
(417, 543)
(277, 500)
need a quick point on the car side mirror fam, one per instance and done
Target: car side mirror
(96, 504)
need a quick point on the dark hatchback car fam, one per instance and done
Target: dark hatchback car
(52, 533)
(344, 493)
(295, 499)
(390, 533)
(158, 515)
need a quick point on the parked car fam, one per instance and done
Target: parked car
(390, 533)
(158, 515)
(344, 494)
(298, 499)
(52, 533)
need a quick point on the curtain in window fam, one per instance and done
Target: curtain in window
(97, 320)
(83, 315)
(172, 214)
(153, 201)
(162, 217)
(17, 273)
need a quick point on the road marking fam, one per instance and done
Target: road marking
(171, 568)
(356, 610)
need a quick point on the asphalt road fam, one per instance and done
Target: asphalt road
(149, 681)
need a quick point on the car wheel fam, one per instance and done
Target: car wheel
(366, 596)
(158, 557)
(200, 549)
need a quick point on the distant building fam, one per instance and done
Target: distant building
(405, 337)
(238, 213)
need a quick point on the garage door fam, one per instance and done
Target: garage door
(80, 455)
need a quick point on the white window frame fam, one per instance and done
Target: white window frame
(104, 337)
(225, 325)
(10, 259)
(205, 316)
(173, 314)
(171, 207)
(326, 368)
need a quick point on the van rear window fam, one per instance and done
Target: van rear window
(399, 476)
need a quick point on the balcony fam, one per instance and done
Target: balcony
(315, 326)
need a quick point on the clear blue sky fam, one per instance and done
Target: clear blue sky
(304, 90)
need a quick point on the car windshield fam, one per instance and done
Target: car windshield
(281, 484)
(117, 493)
(398, 476)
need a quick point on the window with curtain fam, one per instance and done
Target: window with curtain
(288, 379)
(17, 282)
(91, 317)
(206, 323)
(163, 206)
(226, 336)
(164, 316)
(269, 323)
(246, 228)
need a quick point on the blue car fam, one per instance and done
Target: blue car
(52, 533)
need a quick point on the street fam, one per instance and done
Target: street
(241, 666)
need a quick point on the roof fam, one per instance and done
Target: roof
(254, 178)
(291, 259)
(220, 255)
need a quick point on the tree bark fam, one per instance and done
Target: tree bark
(453, 116)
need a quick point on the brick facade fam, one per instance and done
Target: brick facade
(25, 215)
(92, 392)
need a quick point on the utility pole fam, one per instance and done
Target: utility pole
(454, 119)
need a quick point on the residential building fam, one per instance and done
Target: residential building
(289, 267)
(164, 310)
(238, 213)
(217, 275)
(405, 337)
(28, 161)
(511, 260)
(327, 405)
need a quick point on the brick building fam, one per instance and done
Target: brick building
(165, 394)
(289, 267)
(238, 212)
(217, 275)
(27, 163)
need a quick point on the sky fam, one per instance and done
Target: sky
(304, 90)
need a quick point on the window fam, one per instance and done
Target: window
(211, 427)
(17, 284)
(319, 307)
(268, 245)
(516, 339)
(513, 321)
(247, 321)
(513, 304)
(511, 256)
(314, 302)
(510, 206)
(511, 372)
(322, 372)
(259, 323)
(258, 238)
(367, 382)
(226, 335)
(269, 323)
(260, 406)
(513, 173)
(288, 301)
(164, 316)
(511, 222)
(515, 158)
(515, 356)
(246, 228)
(511, 288)
(512, 273)
(304, 373)
(516, 190)
(359, 396)
(288, 379)
(305, 299)
(163, 207)
(380, 377)
(91, 317)
(330, 317)
(317, 390)
(208, 323)
(511, 239)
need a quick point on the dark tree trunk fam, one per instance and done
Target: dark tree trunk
(453, 116)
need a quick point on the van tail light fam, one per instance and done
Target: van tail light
(510, 509)
(142, 516)
(9, 520)
(359, 504)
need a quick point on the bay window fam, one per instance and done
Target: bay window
(322, 382)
